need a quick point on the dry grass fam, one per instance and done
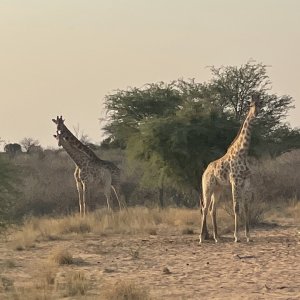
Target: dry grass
(8, 264)
(133, 221)
(45, 285)
(76, 284)
(127, 290)
(284, 211)
(62, 257)
(24, 239)
(109, 256)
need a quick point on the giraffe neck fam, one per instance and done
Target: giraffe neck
(76, 155)
(72, 140)
(241, 143)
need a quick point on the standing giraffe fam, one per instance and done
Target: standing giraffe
(90, 169)
(231, 169)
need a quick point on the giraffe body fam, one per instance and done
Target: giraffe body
(230, 170)
(90, 170)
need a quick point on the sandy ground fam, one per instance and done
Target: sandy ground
(268, 268)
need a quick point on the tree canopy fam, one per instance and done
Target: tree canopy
(177, 128)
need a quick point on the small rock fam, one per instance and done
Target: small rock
(166, 270)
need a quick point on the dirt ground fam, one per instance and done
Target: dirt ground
(172, 265)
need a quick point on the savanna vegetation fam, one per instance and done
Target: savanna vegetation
(162, 136)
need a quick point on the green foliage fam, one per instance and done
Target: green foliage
(231, 88)
(181, 146)
(128, 109)
(176, 129)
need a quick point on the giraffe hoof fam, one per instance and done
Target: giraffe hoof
(237, 240)
(249, 240)
(201, 240)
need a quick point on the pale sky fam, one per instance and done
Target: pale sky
(61, 57)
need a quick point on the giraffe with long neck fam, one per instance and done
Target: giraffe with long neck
(90, 169)
(230, 170)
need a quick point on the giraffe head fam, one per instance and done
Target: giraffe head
(255, 103)
(60, 129)
(58, 137)
(59, 123)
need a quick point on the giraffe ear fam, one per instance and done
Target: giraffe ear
(54, 121)
(55, 136)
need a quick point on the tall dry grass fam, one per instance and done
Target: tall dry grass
(126, 290)
(135, 220)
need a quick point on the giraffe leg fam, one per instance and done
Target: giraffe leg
(107, 195)
(236, 197)
(249, 196)
(85, 197)
(246, 216)
(79, 189)
(116, 194)
(206, 204)
(206, 235)
(213, 213)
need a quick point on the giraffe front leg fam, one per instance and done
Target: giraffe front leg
(80, 190)
(80, 196)
(213, 213)
(236, 197)
(249, 196)
(246, 216)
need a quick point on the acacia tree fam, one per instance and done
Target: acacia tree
(178, 128)
(128, 109)
(181, 146)
(231, 88)
(29, 143)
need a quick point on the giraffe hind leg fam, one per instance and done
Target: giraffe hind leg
(121, 201)
(206, 205)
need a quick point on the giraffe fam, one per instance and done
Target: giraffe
(230, 170)
(90, 169)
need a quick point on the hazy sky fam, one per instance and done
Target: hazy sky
(61, 57)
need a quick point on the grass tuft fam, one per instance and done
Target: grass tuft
(62, 257)
(76, 284)
(127, 290)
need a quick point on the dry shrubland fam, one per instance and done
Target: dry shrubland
(278, 179)
(48, 188)
(61, 272)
